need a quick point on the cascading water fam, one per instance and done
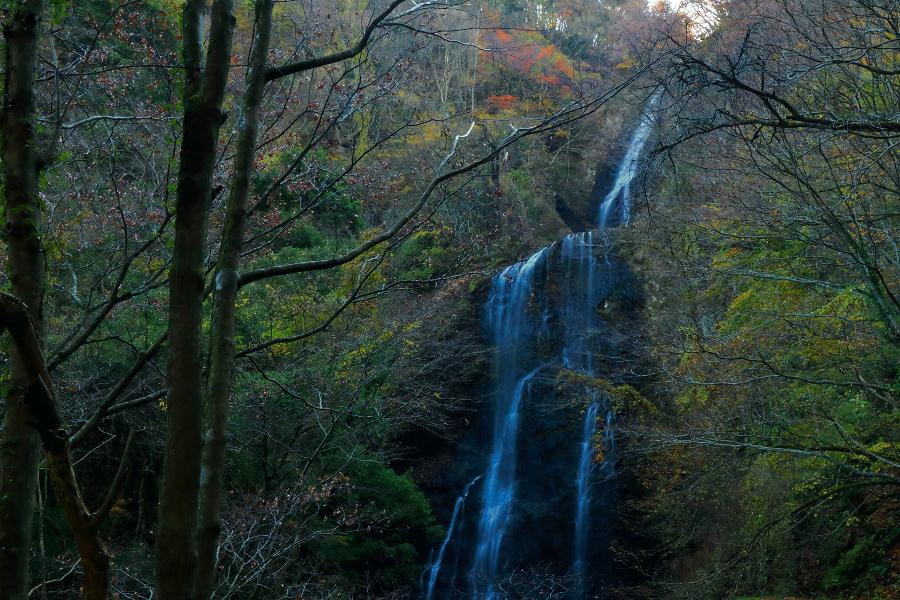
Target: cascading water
(539, 326)
(583, 483)
(508, 318)
(499, 491)
(579, 268)
(609, 444)
(435, 568)
(617, 199)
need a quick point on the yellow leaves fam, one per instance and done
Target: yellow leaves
(280, 349)
(370, 233)
(882, 451)
(883, 448)
(361, 352)
(740, 301)
(847, 304)
(693, 398)
(268, 161)
(852, 521)
(627, 63)
(428, 134)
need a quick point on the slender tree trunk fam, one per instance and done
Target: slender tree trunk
(31, 415)
(219, 389)
(20, 446)
(477, 54)
(44, 417)
(176, 565)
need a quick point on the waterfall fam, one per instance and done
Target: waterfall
(618, 195)
(579, 268)
(522, 323)
(583, 483)
(435, 567)
(609, 446)
(509, 320)
(499, 490)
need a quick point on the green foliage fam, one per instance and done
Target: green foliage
(304, 237)
(395, 527)
(423, 255)
(862, 563)
(329, 205)
(783, 417)
(851, 565)
(624, 398)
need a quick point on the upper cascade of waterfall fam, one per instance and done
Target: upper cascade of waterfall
(510, 293)
(617, 199)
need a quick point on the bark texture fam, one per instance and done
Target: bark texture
(176, 566)
(20, 446)
(222, 349)
(40, 404)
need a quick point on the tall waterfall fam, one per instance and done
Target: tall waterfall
(542, 317)
(580, 276)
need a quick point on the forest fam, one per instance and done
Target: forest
(450, 299)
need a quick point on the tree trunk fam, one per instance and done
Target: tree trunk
(203, 116)
(219, 387)
(20, 447)
(40, 405)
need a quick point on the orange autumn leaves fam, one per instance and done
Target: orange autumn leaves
(503, 101)
(531, 54)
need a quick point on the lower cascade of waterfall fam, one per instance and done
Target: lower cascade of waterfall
(498, 493)
(583, 483)
(553, 294)
(547, 316)
(434, 569)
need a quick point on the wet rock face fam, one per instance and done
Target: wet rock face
(579, 315)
